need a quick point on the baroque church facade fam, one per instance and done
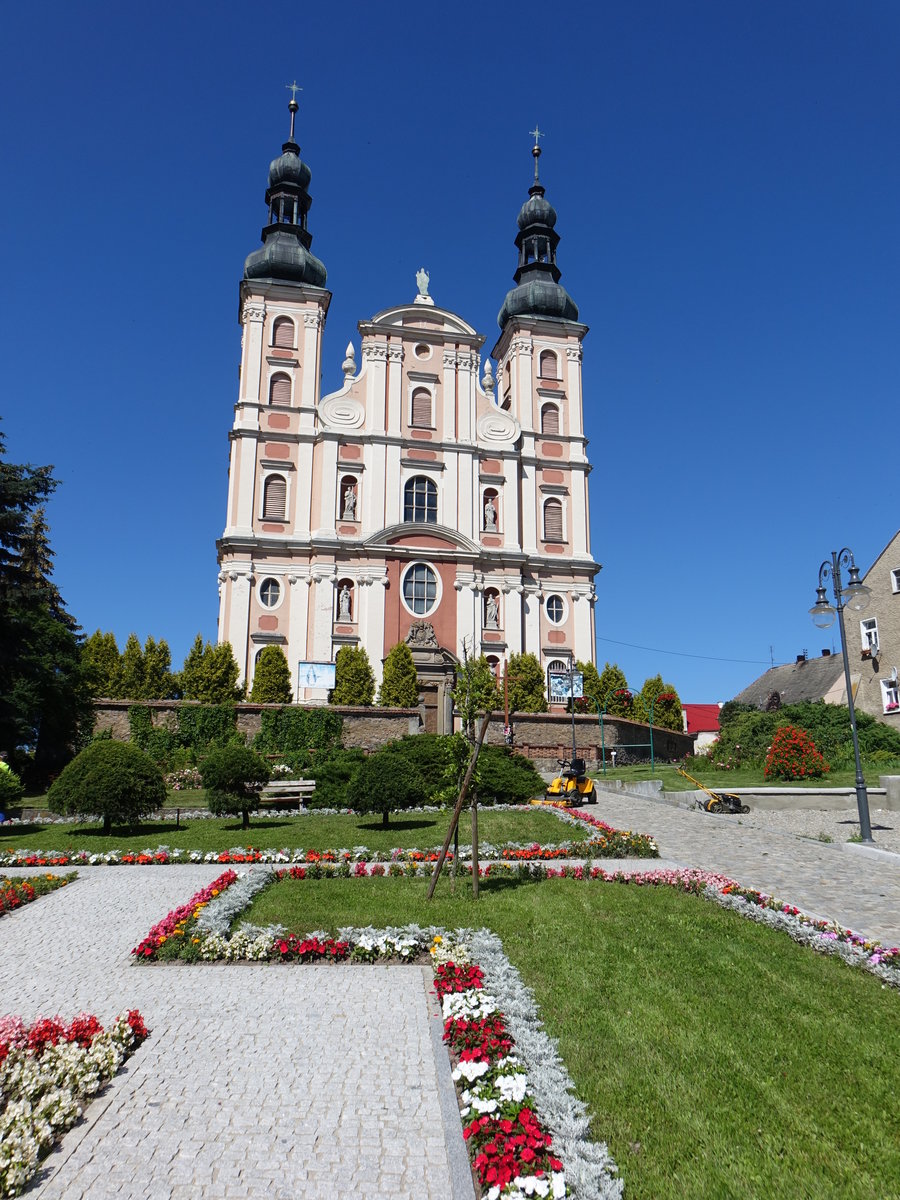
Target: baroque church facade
(426, 499)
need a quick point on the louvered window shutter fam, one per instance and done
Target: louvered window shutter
(421, 407)
(280, 390)
(548, 365)
(275, 498)
(550, 419)
(553, 521)
(284, 333)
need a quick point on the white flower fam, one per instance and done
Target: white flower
(471, 1071)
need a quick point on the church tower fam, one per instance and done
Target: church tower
(412, 503)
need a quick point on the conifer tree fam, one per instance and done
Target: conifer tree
(190, 677)
(272, 678)
(354, 681)
(159, 683)
(399, 684)
(525, 677)
(101, 664)
(133, 674)
(210, 673)
(591, 685)
(615, 694)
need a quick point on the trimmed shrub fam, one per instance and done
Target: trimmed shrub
(354, 682)
(232, 776)
(272, 678)
(504, 777)
(11, 790)
(399, 685)
(793, 755)
(385, 783)
(332, 771)
(114, 781)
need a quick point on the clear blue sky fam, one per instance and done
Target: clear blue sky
(727, 180)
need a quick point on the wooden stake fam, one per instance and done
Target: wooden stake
(454, 821)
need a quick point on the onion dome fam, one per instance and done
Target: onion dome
(538, 292)
(285, 253)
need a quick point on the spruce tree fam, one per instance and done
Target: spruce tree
(159, 683)
(354, 681)
(191, 674)
(399, 684)
(525, 678)
(615, 694)
(101, 665)
(272, 678)
(210, 673)
(591, 685)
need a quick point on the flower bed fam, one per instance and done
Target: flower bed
(16, 892)
(47, 1070)
(174, 925)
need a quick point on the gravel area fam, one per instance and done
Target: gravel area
(826, 825)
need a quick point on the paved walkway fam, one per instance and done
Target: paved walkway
(258, 1082)
(859, 890)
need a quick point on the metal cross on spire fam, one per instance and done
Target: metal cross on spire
(537, 133)
(293, 88)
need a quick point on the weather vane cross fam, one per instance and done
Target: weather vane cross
(537, 134)
(293, 88)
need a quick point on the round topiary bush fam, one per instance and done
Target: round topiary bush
(233, 776)
(11, 790)
(112, 781)
(384, 783)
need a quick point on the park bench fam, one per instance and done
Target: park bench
(286, 793)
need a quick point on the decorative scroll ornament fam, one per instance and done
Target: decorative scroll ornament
(421, 636)
(341, 412)
(499, 428)
(253, 312)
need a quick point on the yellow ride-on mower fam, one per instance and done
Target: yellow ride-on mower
(716, 802)
(571, 786)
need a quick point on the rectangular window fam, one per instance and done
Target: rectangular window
(869, 634)
(895, 580)
(553, 521)
(890, 695)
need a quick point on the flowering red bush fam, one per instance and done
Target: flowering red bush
(793, 755)
(448, 977)
(300, 949)
(505, 1147)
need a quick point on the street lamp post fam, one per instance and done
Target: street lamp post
(856, 597)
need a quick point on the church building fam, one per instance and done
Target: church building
(427, 498)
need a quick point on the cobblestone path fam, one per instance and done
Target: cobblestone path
(257, 1081)
(857, 889)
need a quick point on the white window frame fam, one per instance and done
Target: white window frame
(565, 612)
(283, 317)
(411, 478)
(895, 581)
(439, 590)
(868, 633)
(565, 524)
(418, 386)
(279, 579)
(286, 476)
(890, 696)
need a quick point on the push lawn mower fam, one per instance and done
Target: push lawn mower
(716, 802)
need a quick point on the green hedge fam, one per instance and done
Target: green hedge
(291, 730)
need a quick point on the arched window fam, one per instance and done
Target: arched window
(549, 419)
(283, 333)
(345, 600)
(421, 408)
(280, 389)
(274, 498)
(548, 365)
(420, 589)
(420, 501)
(556, 667)
(349, 496)
(491, 608)
(553, 521)
(490, 511)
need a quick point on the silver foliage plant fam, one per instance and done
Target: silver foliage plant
(590, 1169)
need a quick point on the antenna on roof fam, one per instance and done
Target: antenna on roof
(772, 656)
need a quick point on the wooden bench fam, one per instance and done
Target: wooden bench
(286, 793)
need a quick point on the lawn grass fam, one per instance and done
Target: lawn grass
(719, 1059)
(421, 829)
(742, 777)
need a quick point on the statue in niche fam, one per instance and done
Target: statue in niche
(349, 513)
(492, 611)
(344, 604)
(490, 516)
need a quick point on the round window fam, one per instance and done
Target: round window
(555, 609)
(270, 592)
(420, 589)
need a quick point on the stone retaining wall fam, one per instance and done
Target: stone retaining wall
(547, 737)
(366, 728)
